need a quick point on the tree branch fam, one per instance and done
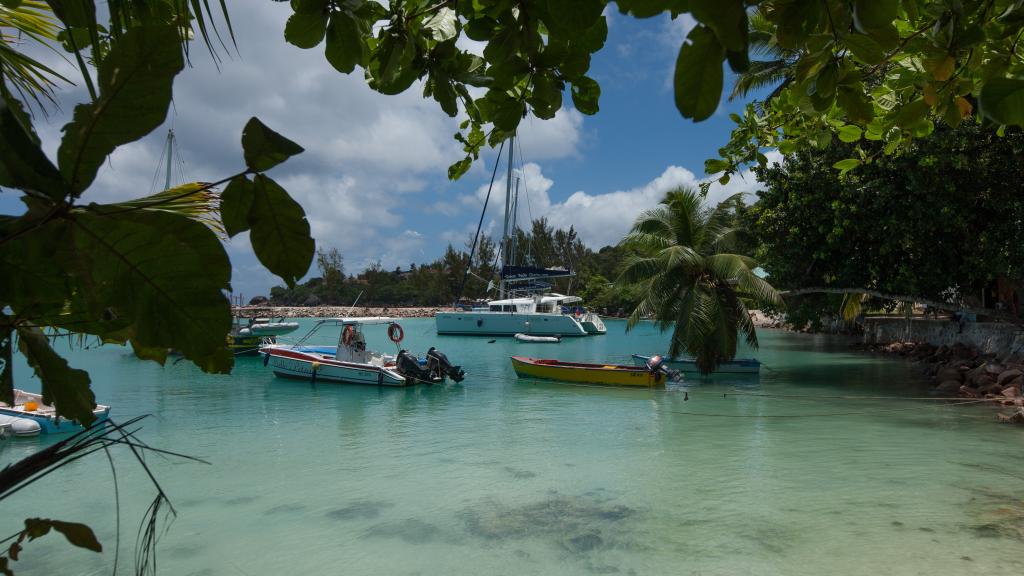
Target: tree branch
(947, 306)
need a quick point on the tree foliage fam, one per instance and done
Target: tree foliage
(939, 221)
(690, 281)
(876, 70)
(151, 271)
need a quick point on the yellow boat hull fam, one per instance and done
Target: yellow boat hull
(608, 374)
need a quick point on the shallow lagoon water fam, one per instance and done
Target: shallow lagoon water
(506, 476)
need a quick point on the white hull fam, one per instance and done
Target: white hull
(593, 324)
(742, 366)
(486, 323)
(532, 338)
(293, 364)
(44, 417)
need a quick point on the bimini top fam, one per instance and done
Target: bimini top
(545, 299)
(369, 320)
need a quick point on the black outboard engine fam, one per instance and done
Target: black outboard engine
(409, 366)
(438, 364)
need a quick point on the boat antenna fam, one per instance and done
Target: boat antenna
(352, 307)
(479, 224)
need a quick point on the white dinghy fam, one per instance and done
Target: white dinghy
(531, 338)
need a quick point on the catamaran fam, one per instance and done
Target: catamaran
(524, 306)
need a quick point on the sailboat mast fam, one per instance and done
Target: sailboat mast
(170, 152)
(508, 207)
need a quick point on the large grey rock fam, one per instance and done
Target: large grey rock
(947, 374)
(948, 387)
(1007, 376)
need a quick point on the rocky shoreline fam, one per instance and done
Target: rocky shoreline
(964, 372)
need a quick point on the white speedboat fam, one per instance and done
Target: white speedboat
(14, 426)
(29, 406)
(351, 363)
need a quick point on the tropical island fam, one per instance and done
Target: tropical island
(522, 286)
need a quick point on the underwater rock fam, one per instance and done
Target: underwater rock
(410, 530)
(583, 542)
(365, 509)
(519, 474)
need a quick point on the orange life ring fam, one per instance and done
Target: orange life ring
(347, 335)
(395, 333)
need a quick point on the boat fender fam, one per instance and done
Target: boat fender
(479, 323)
(347, 335)
(266, 359)
(316, 366)
(395, 333)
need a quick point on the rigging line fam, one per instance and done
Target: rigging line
(479, 224)
(159, 165)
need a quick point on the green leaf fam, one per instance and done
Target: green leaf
(850, 133)
(279, 231)
(263, 148)
(235, 203)
(1002, 101)
(77, 534)
(574, 15)
(845, 166)
(715, 165)
(585, 95)
(66, 388)
(698, 75)
(391, 64)
(345, 45)
(873, 15)
(728, 20)
(910, 114)
(306, 29)
(456, 170)
(864, 48)
(443, 24)
(162, 274)
(23, 164)
(135, 81)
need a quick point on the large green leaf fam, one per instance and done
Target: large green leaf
(23, 164)
(727, 18)
(443, 24)
(235, 203)
(345, 45)
(1002, 100)
(391, 66)
(698, 75)
(135, 82)
(279, 231)
(306, 29)
(585, 95)
(33, 274)
(66, 388)
(164, 274)
(574, 15)
(263, 148)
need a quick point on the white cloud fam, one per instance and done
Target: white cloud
(603, 219)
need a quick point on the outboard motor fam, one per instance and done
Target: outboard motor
(656, 364)
(439, 364)
(409, 366)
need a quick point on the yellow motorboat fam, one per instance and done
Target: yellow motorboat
(610, 374)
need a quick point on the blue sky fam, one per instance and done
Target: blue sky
(373, 179)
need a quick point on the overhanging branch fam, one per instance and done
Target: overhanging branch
(937, 304)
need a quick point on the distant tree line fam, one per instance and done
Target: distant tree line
(445, 280)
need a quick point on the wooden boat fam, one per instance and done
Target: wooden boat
(688, 365)
(350, 362)
(31, 407)
(611, 374)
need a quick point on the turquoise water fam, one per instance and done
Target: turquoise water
(503, 476)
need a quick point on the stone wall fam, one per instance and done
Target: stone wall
(988, 337)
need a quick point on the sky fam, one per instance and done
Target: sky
(373, 179)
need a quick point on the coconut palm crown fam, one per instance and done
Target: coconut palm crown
(690, 281)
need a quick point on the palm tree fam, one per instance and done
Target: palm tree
(690, 282)
(31, 21)
(777, 69)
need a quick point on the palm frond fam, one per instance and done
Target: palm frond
(195, 200)
(31, 21)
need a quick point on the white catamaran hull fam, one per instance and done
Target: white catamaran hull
(479, 323)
